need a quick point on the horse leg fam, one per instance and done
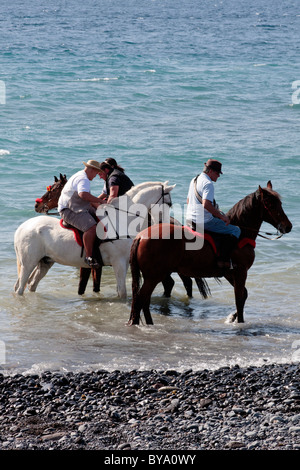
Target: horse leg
(136, 307)
(120, 270)
(188, 284)
(97, 273)
(168, 284)
(145, 294)
(83, 280)
(141, 301)
(38, 273)
(24, 273)
(238, 281)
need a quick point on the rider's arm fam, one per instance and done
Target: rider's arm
(89, 197)
(208, 205)
(113, 192)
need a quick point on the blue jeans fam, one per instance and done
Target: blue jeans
(219, 226)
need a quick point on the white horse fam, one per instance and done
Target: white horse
(41, 241)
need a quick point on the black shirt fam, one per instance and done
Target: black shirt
(118, 178)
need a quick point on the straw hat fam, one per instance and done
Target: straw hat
(93, 164)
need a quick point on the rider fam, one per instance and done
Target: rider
(201, 191)
(116, 181)
(77, 206)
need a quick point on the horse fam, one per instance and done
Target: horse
(49, 201)
(154, 254)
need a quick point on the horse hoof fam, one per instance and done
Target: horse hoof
(231, 318)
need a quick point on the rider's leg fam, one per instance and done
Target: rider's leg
(88, 240)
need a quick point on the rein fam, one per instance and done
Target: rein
(268, 238)
(259, 234)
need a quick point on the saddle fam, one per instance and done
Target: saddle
(78, 235)
(222, 244)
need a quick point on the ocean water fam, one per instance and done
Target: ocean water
(161, 86)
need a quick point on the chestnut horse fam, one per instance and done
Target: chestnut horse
(155, 255)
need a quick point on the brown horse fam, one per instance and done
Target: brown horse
(155, 255)
(49, 201)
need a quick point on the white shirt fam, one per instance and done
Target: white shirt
(195, 210)
(69, 198)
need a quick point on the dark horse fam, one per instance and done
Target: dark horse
(155, 255)
(49, 201)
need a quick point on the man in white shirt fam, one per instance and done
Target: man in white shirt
(202, 211)
(77, 206)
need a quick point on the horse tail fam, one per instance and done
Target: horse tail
(203, 287)
(135, 269)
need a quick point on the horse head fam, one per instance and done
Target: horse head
(272, 211)
(166, 193)
(50, 199)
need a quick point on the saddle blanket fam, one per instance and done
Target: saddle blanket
(208, 237)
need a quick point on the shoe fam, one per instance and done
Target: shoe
(91, 262)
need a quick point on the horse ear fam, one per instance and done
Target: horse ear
(169, 188)
(269, 185)
(55, 179)
(261, 193)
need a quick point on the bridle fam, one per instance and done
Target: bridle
(45, 205)
(135, 214)
(275, 236)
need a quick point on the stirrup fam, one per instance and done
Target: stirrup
(225, 264)
(91, 262)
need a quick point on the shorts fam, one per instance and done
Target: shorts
(82, 220)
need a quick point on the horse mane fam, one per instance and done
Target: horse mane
(139, 187)
(242, 207)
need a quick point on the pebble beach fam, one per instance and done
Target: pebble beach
(231, 408)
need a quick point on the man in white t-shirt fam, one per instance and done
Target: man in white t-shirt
(202, 211)
(77, 206)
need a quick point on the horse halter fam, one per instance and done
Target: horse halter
(40, 200)
(271, 215)
(162, 197)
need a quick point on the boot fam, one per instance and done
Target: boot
(229, 243)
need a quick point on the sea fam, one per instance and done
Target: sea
(161, 86)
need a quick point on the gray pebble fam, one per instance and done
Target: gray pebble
(228, 408)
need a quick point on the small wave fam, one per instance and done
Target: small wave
(100, 79)
(4, 152)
